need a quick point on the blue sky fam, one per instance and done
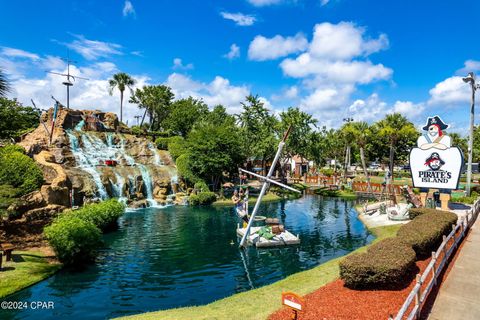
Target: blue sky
(331, 58)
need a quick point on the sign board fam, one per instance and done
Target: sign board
(293, 301)
(434, 163)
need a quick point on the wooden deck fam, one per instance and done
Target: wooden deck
(284, 239)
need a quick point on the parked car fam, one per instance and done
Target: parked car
(475, 168)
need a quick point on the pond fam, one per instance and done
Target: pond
(182, 256)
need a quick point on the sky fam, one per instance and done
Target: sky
(332, 58)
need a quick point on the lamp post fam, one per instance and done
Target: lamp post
(470, 79)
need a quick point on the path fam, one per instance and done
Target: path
(459, 295)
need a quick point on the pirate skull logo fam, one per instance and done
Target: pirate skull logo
(434, 162)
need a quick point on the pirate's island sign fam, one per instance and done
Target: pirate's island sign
(435, 164)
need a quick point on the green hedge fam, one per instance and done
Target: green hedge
(415, 212)
(424, 233)
(104, 215)
(164, 142)
(74, 240)
(19, 170)
(386, 264)
(201, 186)
(202, 198)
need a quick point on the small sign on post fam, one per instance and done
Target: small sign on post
(294, 302)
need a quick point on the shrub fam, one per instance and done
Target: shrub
(468, 200)
(424, 233)
(201, 186)
(177, 147)
(163, 143)
(9, 148)
(103, 215)
(183, 168)
(385, 264)
(19, 170)
(202, 198)
(415, 212)
(327, 172)
(74, 240)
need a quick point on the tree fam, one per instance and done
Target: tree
(400, 134)
(348, 134)
(121, 81)
(157, 101)
(258, 130)
(4, 85)
(361, 132)
(15, 119)
(184, 114)
(301, 127)
(461, 142)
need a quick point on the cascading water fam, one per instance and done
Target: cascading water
(91, 153)
(156, 156)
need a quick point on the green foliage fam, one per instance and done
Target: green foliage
(184, 114)
(183, 168)
(468, 200)
(162, 143)
(121, 81)
(157, 101)
(177, 147)
(8, 196)
(301, 124)
(9, 148)
(4, 85)
(202, 198)
(74, 240)
(386, 264)
(19, 170)
(415, 212)
(424, 233)
(201, 186)
(15, 119)
(103, 215)
(327, 172)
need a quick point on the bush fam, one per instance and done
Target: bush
(103, 215)
(202, 198)
(163, 143)
(424, 233)
(327, 172)
(74, 240)
(183, 168)
(201, 186)
(19, 170)
(385, 264)
(415, 212)
(177, 147)
(468, 200)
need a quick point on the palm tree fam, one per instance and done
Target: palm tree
(396, 128)
(348, 134)
(121, 81)
(361, 131)
(4, 85)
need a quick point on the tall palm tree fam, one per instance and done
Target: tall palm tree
(121, 81)
(4, 85)
(361, 131)
(396, 128)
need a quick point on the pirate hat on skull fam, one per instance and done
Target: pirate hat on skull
(435, 120)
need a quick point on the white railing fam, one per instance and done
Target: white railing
(419, 293)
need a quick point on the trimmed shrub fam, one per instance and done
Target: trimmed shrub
(162, 143)
(415, 212)
(424, 233)
(201, 186)
(202, 198)
(74, 240)
(19, 170)
(103, 215)
(386, 264)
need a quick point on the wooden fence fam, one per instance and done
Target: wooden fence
(412, 306)
(377, 188)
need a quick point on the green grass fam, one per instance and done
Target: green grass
(269, 197)
(260, 303)
(27, 268)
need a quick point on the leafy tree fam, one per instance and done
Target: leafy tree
(301, 127)
(258, 130)
(462, 143)
(361, 132)
(348, 134)
(184, 114)
(121, 81)
(4, 85)
(400, 134)
(157, 101)
(15, 119)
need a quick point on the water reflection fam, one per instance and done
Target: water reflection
(180, 256)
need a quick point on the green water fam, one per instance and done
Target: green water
(182, 256)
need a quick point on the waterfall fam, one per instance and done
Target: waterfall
(147, 180)
(79, 125)
(156, 156)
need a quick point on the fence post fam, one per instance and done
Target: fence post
(445, 247)
(434, 260)
(454, 238)
(462, 226)
(417, 295)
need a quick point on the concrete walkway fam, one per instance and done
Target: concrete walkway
(459, 297)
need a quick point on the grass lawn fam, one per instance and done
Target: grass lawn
(266, 198)
(25, 269)
(260, 303)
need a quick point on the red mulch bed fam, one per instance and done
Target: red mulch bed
(335, 302)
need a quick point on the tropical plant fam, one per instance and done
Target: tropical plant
(184, 114)
(15, 119)
(121, 81)
(19, 170)
(361, 132)
(4, 85)
(157, 101)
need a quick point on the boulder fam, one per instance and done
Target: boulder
(45, 214)
(139, 204)
(55, 195)
(28, 202)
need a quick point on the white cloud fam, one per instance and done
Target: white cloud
(451, 92)
(178, 64)
(324, 2)
(343, 41)
(262, 48)
(291, 92)
(233, 53)
(240, 19)
(370, 109)
(93, 49)
(128, 9)
(408, 108)
(137, 53)
(262, 3)
(469, 66)
(18, 53)
(218, 91)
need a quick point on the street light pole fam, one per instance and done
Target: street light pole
(470, 78)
